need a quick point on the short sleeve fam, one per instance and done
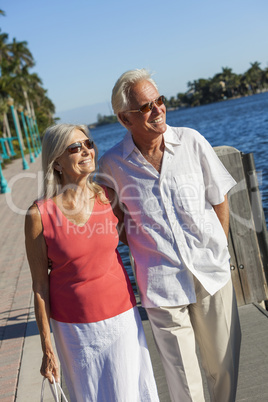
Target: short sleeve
(218, 180)
(104, 175)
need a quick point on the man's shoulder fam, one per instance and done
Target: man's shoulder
(115, 150)
(186, 134)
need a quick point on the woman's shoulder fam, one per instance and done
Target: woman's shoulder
(37, 208)
(33, 221)
(32, 210)
(41, 201)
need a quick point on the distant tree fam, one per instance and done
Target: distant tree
(172, 102)
(225, 84)
(102, 120)
(254, 76)
(264, 78)
(21, 57)
(231, 82)
(4, 54)
(16, 81)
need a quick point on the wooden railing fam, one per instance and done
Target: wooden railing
(248, 243)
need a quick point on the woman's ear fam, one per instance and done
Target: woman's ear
(57, 166)
(124, 119)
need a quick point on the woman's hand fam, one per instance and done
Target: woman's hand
(50, 366)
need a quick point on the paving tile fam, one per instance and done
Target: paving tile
(15, 282)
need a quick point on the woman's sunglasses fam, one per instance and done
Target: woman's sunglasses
(77, 146)
(148, 106)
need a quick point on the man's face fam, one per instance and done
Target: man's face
(145, 126)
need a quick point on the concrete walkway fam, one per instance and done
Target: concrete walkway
(20, 351)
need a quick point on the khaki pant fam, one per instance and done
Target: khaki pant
(214, 323)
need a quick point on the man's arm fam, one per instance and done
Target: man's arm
(222, 212)
(119, 213)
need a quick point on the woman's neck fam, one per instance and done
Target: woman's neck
(74, 195)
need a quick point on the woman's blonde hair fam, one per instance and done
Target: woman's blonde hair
(55, 141)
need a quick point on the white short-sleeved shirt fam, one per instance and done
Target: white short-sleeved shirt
(172, 228)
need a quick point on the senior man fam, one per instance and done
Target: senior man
(173, 189)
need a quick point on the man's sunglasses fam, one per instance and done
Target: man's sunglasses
(77, 146)
(148, 106)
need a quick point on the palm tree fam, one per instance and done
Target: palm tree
(226, 77)
(4, 62)
(21, 56)
(4, 54)
(264, 78)
(253, 76)
(16, 81)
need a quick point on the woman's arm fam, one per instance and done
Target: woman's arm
(37, 256)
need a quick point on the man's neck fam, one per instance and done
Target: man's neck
(150, 146)
(153, 151)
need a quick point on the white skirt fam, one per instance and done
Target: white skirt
(106, 361)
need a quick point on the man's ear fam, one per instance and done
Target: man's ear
(122, 116)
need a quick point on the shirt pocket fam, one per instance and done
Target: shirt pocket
(190, 192)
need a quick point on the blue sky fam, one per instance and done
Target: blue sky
(81, 47)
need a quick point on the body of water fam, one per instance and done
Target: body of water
(241, 123)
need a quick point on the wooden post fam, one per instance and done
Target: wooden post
(256, 207)
(246, 258)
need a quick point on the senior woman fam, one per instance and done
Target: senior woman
(85, 293)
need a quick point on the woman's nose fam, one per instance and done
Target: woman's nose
(85, 149)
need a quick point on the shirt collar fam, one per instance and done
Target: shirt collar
(128, 145)
(170, 140)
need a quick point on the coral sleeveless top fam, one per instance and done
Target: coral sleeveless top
(88, 282)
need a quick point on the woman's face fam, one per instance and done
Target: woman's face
(76, 165)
